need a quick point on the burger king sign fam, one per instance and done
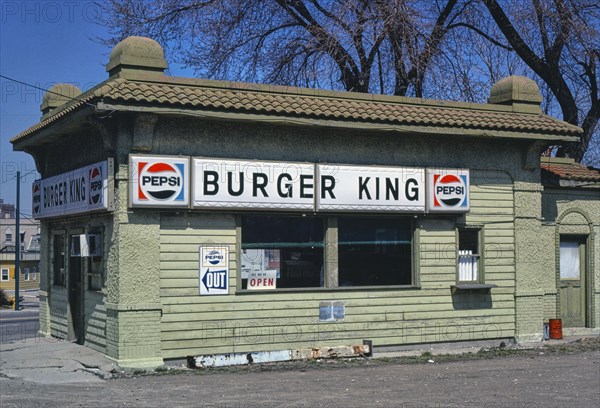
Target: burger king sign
(448, 190)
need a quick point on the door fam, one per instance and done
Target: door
(76, 294)
(572, 281)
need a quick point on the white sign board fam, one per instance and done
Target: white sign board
(158, 181)
(241, 184)
(214, 270)
(448, 190)
(264, 280)
(353, 188)
(228, 184)
(86, 189)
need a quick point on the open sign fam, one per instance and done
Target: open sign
(263, 280)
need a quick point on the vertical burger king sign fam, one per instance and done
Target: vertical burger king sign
(448, 190)
(158, 181)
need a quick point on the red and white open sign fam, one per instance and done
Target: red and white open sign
(262, 280)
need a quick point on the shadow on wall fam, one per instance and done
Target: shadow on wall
(471, 300)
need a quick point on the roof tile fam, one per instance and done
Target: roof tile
(328, 106)
(572, 171)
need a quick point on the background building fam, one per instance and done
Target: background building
(29, 242)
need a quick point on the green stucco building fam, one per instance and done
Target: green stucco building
(185, 217)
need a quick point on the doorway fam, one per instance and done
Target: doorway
(75, 293)
(572, 281)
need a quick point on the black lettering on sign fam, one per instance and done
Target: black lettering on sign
(327, 186)
(362, 188)
(230, 189)
(305, 185)
(284, 190)
(259, 181)
(412, 190)
(391, 189)
(211, 179)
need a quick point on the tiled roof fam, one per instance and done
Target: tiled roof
(572, 171)
(295, 102)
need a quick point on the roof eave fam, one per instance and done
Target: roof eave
(57, 127)
(340, 124)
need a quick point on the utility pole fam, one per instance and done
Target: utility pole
(18, 242)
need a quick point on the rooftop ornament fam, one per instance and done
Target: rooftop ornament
(137, 56)
(56, 96)
(519, 91)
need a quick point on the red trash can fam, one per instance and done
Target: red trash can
(555, 328)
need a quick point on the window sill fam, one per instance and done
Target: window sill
(338, 289)
(472, 286)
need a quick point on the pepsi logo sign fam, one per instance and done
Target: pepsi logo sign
(159, 181)
(96, 185)
(36, 196)
(448, 190)
(214, 257)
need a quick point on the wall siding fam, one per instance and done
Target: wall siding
(193, 324)
(95, 321)
(59, 315)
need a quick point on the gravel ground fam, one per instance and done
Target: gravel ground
(559, 376)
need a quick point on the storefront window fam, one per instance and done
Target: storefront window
(58, 261)
(374, 251)
(282, 252)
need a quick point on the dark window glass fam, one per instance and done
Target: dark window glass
(96, 274)
(468, 240)
(58, 262)
(374, 251)
(289, 247)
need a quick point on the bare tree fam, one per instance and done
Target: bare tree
(357, 45)
(453, 49)
(559, 40)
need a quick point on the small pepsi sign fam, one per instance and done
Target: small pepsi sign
(214, 270)
(448, 190)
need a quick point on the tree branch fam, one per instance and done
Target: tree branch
(481, 33)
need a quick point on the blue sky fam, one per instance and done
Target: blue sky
(42, 43)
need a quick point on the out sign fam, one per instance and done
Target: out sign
(214, 270)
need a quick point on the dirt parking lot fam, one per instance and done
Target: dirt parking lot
(566, 376)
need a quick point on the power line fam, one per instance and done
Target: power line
(22, 175)
(44, 89)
